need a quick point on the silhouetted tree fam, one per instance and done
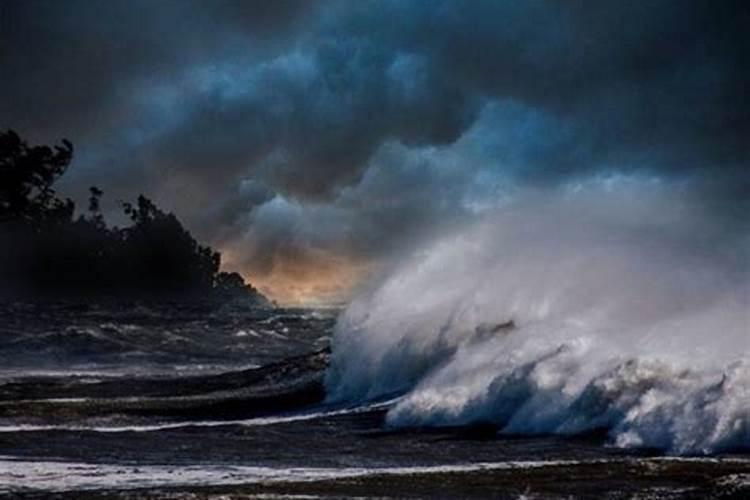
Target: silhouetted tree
(230, 285)
(163, 253)
(44, 250)
(26, 177)
(95, 212)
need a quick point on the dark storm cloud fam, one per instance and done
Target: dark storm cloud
(375, 122)
(110, 75)
(657, 82)
(309, 121)
(74, 61)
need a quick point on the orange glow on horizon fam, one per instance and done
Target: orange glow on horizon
(314, 278)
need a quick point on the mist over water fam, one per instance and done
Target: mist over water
(629, 305)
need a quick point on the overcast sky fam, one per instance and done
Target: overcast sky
(312, 141)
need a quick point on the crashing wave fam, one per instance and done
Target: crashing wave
(624, 310)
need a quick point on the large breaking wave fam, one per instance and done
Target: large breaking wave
(595, 308)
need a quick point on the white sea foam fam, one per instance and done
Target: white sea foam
(631, 312)
(249, 422)
(97, 372)
(24, 475)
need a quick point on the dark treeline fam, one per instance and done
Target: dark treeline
(48, 251)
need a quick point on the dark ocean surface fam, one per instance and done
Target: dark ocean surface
(192, 401)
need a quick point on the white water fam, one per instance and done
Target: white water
(184, 424)
(17, 475)
(631, 314)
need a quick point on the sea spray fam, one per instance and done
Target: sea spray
(615, 305)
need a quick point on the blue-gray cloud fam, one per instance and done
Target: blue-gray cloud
(376, 122)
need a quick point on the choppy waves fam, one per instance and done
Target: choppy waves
(620, 311)
(286, 418)
(63, 476)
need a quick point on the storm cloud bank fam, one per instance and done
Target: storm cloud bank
(313, 140)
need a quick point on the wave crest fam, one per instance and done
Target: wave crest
(624, 310)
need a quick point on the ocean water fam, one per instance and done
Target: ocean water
(624, 313)
(180, 401)
(587, 344)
